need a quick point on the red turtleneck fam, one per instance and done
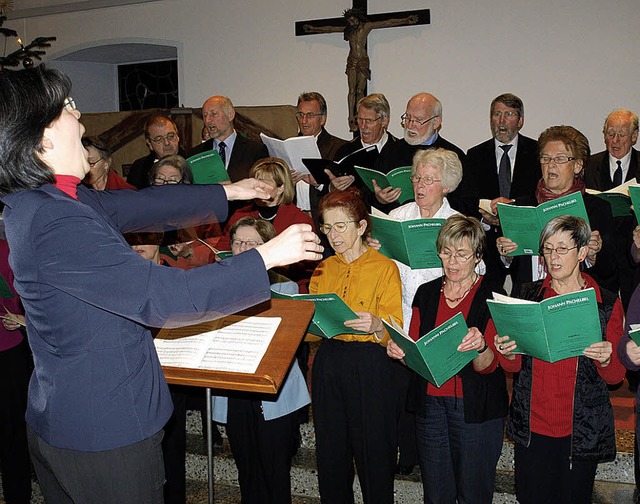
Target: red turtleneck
(68, 184)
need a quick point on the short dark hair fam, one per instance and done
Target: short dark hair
(510, 100)
(313, 96)
(158, 119)
(98, 144)
(30, 100)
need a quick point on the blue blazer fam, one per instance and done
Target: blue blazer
(89, 298)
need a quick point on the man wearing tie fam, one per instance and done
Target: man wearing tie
(617, 164)
(237, 152)
(504, 169)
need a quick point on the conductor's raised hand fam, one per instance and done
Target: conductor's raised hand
(247, 189)
(296, 243)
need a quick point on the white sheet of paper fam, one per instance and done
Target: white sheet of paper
(237, 347)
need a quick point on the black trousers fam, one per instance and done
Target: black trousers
(545, 473)
(262, 450)
(354, 413)
(15, 370)
(127, 475)
(174, 448)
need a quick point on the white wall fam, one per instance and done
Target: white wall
(88, 84)
(571, 62)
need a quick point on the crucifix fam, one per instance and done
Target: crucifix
(356, 25)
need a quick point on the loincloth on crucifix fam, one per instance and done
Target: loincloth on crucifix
(359, 65)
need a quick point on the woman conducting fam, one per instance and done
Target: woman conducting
(98, 399)
(353, 395)
(459, 425)
(561, 418)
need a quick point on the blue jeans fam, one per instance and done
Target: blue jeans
(457, 459)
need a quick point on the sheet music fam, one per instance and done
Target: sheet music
(237, 345)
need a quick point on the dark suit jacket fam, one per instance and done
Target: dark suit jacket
(89, 299)
(401, 154)
(482, 168)
(350, 147)
(526, 173)
(243, 156)
(597, 176)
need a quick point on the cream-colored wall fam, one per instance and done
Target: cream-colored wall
(571, 62)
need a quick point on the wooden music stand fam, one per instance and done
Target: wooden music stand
(271, 371)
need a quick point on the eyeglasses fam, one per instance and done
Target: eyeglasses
(558, 250)
(248, 243)
(93, 163)
(406, 120)
(69, 103)
(161, 139)
(612, 134)
(308, 115)
(163, 181)
(508, 114)
(561, 159)
(416, 179)
(459, 256)
(340, 227)
(367, 122)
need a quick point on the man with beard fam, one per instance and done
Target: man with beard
(421, 121)
(504, 169)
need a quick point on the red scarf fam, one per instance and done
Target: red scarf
(544, 194)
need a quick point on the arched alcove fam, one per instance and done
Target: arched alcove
(94, 69)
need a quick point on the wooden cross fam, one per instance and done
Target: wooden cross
(356, 25)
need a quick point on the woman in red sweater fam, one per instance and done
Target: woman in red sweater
(561, 417)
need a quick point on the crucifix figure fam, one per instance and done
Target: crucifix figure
(356, 26)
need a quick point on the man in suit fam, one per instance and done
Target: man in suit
(422, 122)
(237, 152)
(312, 116)
(372, 117)
(161, 136)
(617, 164)
(504, 169)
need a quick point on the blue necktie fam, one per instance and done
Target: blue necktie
(222, 151)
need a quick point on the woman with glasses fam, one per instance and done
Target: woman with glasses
(170, 170)
(262, 429)
(101, 177)
(98, 399)
(354, 404)
(434, 174)
(459, 425)
(563, 153)
(561, 417)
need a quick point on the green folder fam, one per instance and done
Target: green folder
(208, 168)
(551, 330)
(523, 224)
(330, 315)
(396, 178)
(435, 355)
(411, 242)
(5, 291)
